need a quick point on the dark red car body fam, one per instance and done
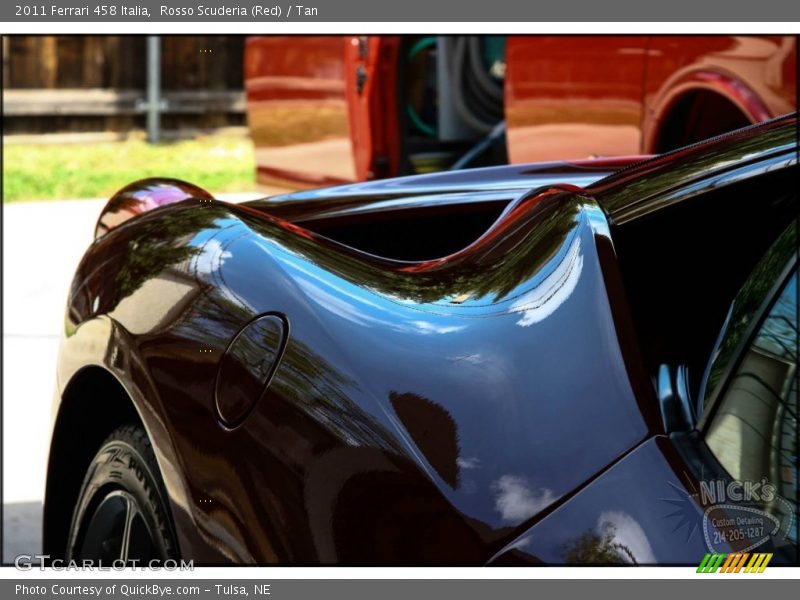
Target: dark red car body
(491, 366)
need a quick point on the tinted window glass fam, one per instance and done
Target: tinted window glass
(753, 433)
(754, 293)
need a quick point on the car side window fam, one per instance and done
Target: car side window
(759, 289)
(753, 429)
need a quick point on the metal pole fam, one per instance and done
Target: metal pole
(153, 88)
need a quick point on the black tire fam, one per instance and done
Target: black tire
(121, 512)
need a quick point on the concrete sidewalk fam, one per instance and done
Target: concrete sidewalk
(42, 245)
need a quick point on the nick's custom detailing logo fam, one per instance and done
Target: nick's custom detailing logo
(739, 515)
(741, 562)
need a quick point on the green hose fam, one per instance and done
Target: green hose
(417, 121)
(421, 45)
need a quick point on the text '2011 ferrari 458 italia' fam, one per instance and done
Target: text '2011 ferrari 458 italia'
(555, 363)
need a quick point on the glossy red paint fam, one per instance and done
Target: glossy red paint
(566, 97)
(330, 102)
(371, 82)
(297, 110)
(755, 74)
(574, 96)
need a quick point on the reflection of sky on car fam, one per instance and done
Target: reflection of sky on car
(551, 292)
(470, 368)
(612, 521)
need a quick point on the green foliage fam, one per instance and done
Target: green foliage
(50, 172)
(598, 547)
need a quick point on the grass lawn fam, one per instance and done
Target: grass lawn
(62, 171)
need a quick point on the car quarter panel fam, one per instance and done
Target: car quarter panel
(420, 412)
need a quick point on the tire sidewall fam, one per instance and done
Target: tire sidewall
(119, 465)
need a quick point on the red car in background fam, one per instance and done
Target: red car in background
(334, 109)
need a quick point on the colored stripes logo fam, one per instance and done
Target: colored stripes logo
(734, 563)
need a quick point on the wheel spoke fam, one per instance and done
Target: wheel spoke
(130, 514)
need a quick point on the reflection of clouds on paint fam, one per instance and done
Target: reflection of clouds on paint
(337, 304)
(473, 359)
(349, 302)
(467, 484)
(491, 367)
(516, 501)
(628, 535)
(212, 257)
(468, 463)
(520, 544)
(345, 300)
(553, 291)
(426, 327)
